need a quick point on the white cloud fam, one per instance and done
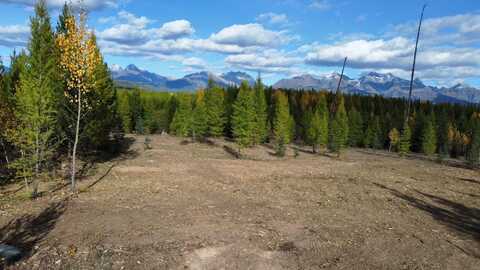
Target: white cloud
(322, 5)
(273, 18)
(270, 61)
(462, 29)
(88, 4)
(14, 35)
(253, 34)
(131, 30)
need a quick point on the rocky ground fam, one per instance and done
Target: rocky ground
(196, 206)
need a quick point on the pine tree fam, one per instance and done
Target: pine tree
(429, 138)
(355, 131)
(473, 154)
(36, 101)
(405, 137)
(136, 107)
(317, 125)
(338, 129)
(282, 126)
(102, 101)
(123, 110)
(260, 132)
(443, 143)
(215, 110)
(199, 126)
(182, 120)
(243, 118)
(373, 134)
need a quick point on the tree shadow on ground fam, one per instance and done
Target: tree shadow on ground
(27, 231)
(468, 180)
(459, 218)
(456, 163)
(231, 151)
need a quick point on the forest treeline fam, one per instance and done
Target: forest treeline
(323, 120)
(58, 101)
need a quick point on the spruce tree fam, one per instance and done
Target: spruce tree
(405, 138)
(373, 138)
(123, 110)
(338, 129)
(443, 143)
(261, 131)
(102, 100)
(199, 125)
(243, 118)
(429, 138)
(355, 131)
(215, 110)
(282, 125)
(36, 100)
(317, 125)
(473, 154)
(182, 120)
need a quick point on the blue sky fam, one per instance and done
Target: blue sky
(280, 38)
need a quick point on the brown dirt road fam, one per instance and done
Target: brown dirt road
(194, 206)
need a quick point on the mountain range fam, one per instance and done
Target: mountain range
(371, 83)
(133, 76)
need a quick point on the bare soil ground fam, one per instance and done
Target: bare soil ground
(195, 206)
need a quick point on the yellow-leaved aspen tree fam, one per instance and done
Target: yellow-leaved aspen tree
(78, 58)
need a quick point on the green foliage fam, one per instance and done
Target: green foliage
(316, 125)
(243, 118)
(261, 131)
(338, 129)
(355, 132)
(429, 138)
(182, 121)
(215, 110)
(282, 125)
(373, 135)
(405, 138)
(36, 100)
(199, 126)
(473, 154)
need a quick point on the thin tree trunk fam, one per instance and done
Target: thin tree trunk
(25, 173)
(5, 152)
(75, 144)
(37, 166)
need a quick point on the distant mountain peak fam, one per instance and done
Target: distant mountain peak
(132, 67)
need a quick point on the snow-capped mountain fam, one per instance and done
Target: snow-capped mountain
(387, 85)
(132, 75)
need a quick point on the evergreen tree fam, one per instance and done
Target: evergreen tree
(443, 143)
(123, 110)
(136, 107)
(317, 125)
(373, 134)
(405, 137)
(473, 154)
(338, 129)
(215, 110)
(243, 118)
(36, 100)
(429, 138)
(282, 127)
(355, 131)
(102, 101)
(182, 120)
(199, 120)
(260, 132)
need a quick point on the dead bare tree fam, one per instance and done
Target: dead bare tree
(407, 114)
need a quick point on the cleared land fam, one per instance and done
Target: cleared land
(195, 206)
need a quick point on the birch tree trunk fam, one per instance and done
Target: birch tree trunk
(75, 144)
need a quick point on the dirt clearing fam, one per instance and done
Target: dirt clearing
(195, 206)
